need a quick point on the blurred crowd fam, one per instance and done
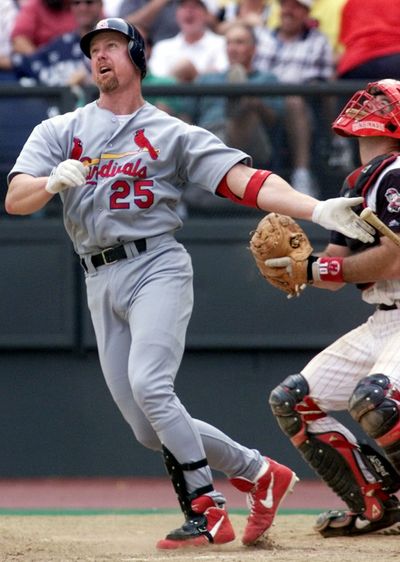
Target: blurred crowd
(222, 42)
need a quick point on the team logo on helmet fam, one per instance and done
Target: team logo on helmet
(367, 125)
(103, 24)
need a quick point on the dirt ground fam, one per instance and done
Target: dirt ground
(132, 538)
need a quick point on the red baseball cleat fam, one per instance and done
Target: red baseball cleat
(210, 527)
(264, 497)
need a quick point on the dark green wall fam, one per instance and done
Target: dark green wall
(244, 338)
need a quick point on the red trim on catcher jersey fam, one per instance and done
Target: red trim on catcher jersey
(251, 191)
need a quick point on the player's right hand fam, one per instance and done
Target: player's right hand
(336, 214)
(70, 173)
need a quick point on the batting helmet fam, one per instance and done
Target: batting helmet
(373, 112)
(136, 45)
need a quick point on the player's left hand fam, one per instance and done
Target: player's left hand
(336, 214)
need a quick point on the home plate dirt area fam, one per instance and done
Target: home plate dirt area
(120, 520)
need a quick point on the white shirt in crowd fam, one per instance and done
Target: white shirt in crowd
(207, 55)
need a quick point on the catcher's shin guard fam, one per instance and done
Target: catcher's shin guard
(341, 464)
(375, 405)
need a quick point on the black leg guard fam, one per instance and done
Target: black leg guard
(375, 404)
(175, 471)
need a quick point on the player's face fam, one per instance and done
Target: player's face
(111, 66)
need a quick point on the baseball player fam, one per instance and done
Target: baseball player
(360, 372)
(120, 166)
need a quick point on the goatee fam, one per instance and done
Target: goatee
(108, 85)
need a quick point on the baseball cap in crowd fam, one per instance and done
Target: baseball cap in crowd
(210, 5)
(306, 3)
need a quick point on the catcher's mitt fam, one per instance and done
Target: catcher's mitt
(279, 236)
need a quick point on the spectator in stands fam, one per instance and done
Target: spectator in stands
(40, 21)
(194, 50)
(158, 17)
(244, 122)
(170, 104)
(324, 14)
(9, 10)
(250, 12)
(297, 53)
(111, 8)
(241, 122)
(60, 62)
(370, 35)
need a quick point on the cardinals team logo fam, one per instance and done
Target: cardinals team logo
(393, 196)
(77, 149)
(144, 144)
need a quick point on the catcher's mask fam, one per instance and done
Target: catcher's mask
(373, 112)
(136, 47)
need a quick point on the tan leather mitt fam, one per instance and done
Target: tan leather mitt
(280, 241)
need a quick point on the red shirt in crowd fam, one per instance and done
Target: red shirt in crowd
(40, 24)
(369, 29)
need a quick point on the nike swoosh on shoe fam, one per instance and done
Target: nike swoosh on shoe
(269, 496)
(217, 526)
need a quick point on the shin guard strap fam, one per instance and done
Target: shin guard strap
(175, 472)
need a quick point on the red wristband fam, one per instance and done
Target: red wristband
(329, 269)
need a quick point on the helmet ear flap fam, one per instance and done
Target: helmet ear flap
(137, 54)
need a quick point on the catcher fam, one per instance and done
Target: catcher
(360, 372)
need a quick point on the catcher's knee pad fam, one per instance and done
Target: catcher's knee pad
(292, 407)
(175, 471)
(375, 404)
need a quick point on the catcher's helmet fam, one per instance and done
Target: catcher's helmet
(373, 112)
(136, 45)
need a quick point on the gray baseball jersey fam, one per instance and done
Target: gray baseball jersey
(140, 307)
(138, 170)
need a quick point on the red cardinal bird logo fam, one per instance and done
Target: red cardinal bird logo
(143, 142)
(77, 149)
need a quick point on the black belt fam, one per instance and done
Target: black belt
(387, 307)
(112, 255)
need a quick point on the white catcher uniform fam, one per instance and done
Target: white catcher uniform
(140, 306)
(373, 347)
(359, 373)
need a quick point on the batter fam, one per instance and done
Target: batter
(120, 167)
